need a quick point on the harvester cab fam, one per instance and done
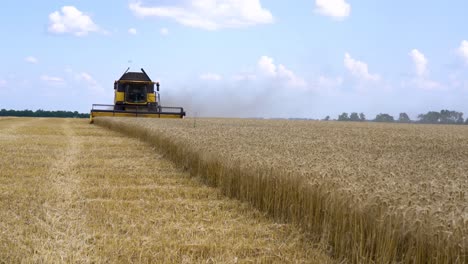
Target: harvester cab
(135, 96)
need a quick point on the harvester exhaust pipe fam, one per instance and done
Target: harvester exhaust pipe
(143, 71)
(126, 71)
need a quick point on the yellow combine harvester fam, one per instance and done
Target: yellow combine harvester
(135, 97)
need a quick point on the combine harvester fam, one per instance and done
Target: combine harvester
(135, 96)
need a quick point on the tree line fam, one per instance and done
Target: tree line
(431, 117)
(42, 113)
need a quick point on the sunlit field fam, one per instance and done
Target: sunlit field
(71, 192)
(380, 193)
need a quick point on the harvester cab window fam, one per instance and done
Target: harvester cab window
(135, 93)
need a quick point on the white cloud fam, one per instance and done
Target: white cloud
(90, 81)
(338, 9)
(52, 79)
(359, 69)
(463, 50)
(164, 31)
(3, 83)
(211, 77)
(132, 31)
(422, 80)
(420, 62)
(209, 14)
(291, 78)
(32, 60)
(267, 67)
(71, 20)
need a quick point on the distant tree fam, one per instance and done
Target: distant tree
(354, 117)
(384, 118)
(343, 117)
(327, 118)
(404, 118)
(42, 113)
(362, 117)
(430, 118)
(450, 117)
(442, 117)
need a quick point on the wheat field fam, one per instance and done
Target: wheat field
(71, 192)
(376, 193)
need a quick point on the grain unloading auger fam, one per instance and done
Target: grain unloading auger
(135, 96)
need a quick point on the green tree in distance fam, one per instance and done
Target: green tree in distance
(384, 118)
(404, 118)
(42, 113)
(362, 117)
(343, 117)
(354, 117)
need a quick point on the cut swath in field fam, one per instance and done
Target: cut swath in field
(375, 192)
(75, 193)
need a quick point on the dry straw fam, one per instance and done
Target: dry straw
(75, 193)
(375, 193)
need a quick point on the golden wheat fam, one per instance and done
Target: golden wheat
(375, 192)
(71, 192)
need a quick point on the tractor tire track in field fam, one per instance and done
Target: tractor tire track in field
(39, 211)
(64, 214)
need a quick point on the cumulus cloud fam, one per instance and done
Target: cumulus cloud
(72, 21)
(359, 69)
(268, 68)
(422, 80)
(337, 9)
(211, 77)
(209, 14)
(420, 62)
(92, 84)
(290, 76)
(164, 31)
(3, 83)
(132, 31)
(32, 60)
(463, 50)
(52, 79)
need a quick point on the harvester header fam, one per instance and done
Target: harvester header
(135, 96)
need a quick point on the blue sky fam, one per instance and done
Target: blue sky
(246, 58)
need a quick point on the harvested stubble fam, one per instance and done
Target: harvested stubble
(380, 193)
(75, 193)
